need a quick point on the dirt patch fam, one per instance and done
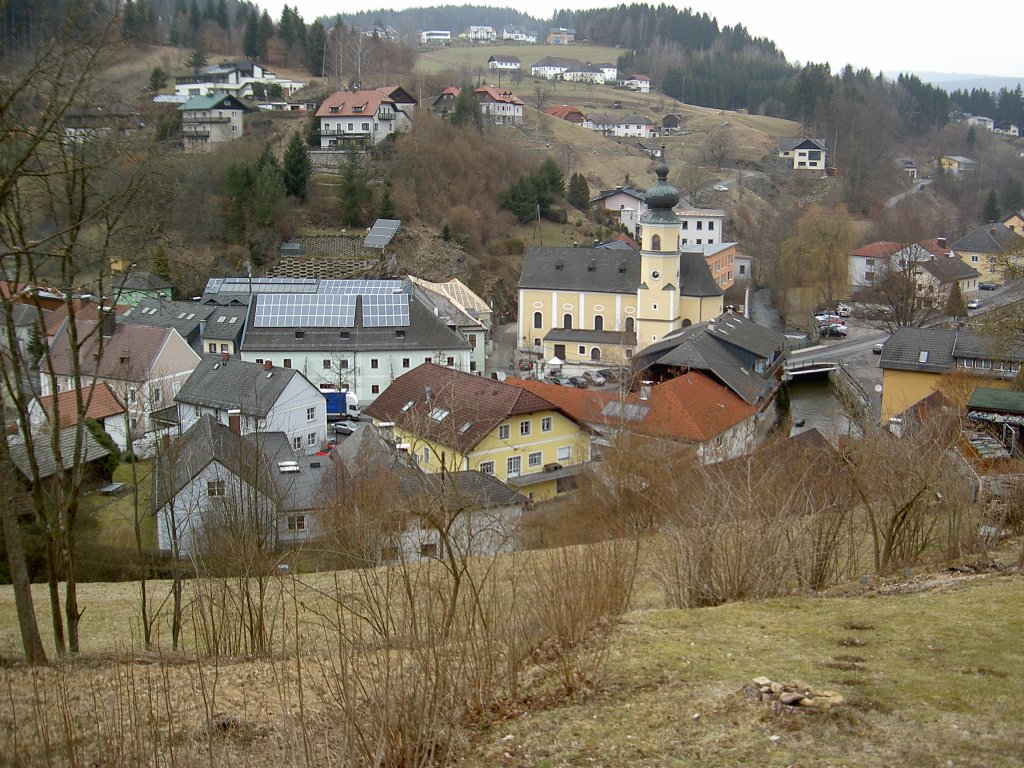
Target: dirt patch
(856, 626)
(851, 642)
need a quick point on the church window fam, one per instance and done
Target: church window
(598, 323)
(538, 320)
(629, 325)
(656, 243)
(567, 321)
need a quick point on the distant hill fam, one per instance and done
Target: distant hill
(953, 81)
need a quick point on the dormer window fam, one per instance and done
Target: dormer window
(334, 110)
(357, 109)
(559, 266)
(300, 334)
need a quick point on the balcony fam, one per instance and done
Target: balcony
(352, 134)
(207, 120)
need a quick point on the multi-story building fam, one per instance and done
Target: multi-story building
(451, 421)
(362, 118)
(502, 107)
(209, 120)
(238, 78)
(803, 154)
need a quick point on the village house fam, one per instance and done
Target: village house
(639, 83)
(517, 35)
(1015, 222)
(501, 106)
(266, 398)
(363, 118)
(137, 285)
(914, 362)
(635, 126)
(504, 63)
(908, 166)
(481, 34)
(445, 102)
(100, 403)
(451, 421)
(209, 120)
(235, 78)
(995, 250)
(461, 310)
(803, 154)
(566, 112)
(957, 165)
(436, 37)
(561, 36)
(553, 67)
(701, 226)
(931, 264)
(100, 120)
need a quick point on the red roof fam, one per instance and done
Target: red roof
(128, 355)
(565, 111)
(346, 103)
(505, 97)
(878, 250)
(690, 407)
(104, 404)
(934, 248)
(454, 408)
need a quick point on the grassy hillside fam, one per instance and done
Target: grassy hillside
(470, 59)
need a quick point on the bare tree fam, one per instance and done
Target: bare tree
(541, 93)
(719, 146)
(694, 184)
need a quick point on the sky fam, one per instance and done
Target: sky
(883, 35)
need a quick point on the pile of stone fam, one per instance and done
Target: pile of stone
(794, 694)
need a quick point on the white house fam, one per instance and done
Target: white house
(610, 72)
(982, 122)
(803, 154)
(266, 399)
(501, 106)
(481, 34)
(553, 67)
(517, 35)
(584, 73)
(702, 226)
(504, 63)
(639, 83)
(360, 118)
(635, 126)
(100, 403)
(1007, 129)
(233, 77)
(461, 310)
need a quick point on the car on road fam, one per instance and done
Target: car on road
(611, 376)
(561, 381)
(987, 286)
(974, 303)
(579, 381)
(720, 188)
(595, 378)
(877, 349)
(347, 427)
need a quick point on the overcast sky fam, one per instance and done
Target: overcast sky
(982, 37)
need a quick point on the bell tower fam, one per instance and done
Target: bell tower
(657, 298)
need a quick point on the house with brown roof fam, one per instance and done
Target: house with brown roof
(502, 106)
(362, 118)
(995, 250)
(692, 409)
(145, 367)
(99, 401)
(567, 112)
(451, 421)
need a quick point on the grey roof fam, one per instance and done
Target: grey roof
(185, 317)
(593, 269)
(639, 194)
(635, 119)
(615, 245)
(227, 384)
(225, 322)
(789, 144)
(695, 277)
(424, 331)
(905, 162)
(25, 314)
(932, 350)
(947, 269)
(716, 350)
(451, 313)
(557, 61)
(583, 335)
(996, 239)
(141, 280)
(45, 459)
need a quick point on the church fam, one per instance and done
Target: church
(606, 304)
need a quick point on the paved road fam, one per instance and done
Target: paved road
(919, 185)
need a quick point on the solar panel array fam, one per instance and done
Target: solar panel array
(384, 303)
(217, 285)
(382, 233)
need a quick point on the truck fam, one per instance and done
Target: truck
(342, 405)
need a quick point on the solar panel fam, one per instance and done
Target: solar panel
(382, 233)
(388, 309)
(283, 310)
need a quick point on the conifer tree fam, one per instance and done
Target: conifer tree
(579, 192)
(990, 211)
(296, 167)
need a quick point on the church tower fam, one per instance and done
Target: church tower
(657, 307)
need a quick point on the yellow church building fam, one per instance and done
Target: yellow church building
(606, 304)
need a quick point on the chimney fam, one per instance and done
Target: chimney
(107, 321)
(941, 241)
(267, 365)
(645, 390)
(225, 356)
(235, 421)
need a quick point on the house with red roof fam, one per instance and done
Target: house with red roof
(691, 408)
(502, 106)
(567, 112)
(933, 263)
(364, 117)
(451, 421)
(99, 401)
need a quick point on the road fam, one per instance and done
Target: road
(919, 185)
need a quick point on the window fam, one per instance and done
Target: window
(656, 243)
(487, 467)
(157, 394)
(974, 259)
(565, 453)
(343, 363)
(366, 126)
(405, 362)
(598, 322)
(686, 225)
(327, 363)
(374, 362)
(296, 522)
(426, 455)
(297, 443)
(711, 225)
(426, 359)
(595, 353)
(451, 361)
(132, 395)
(504, 432)
(536, 342)
(538, 320)
(654, 307)
(524, 428)
(310, 414)
(223, 347)
(287, 362)
(630, 324)
(545, 424)
(514, 466)
(535, 459)
(567, 321)
(375, 389)
(134, 424)
(700, 225)
(213, 347)
(216, 488)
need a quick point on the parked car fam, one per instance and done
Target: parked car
(824, 318)
(974, 303)
(987, 286)
(843, 310)
(611, 376)
(347, 427)
(720, 188)
(562, 381)
(595, 378)
(877, 349)
(579, 381)
(835, 330)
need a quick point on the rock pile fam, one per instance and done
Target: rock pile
(794, 694)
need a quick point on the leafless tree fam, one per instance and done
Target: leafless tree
(719, 146)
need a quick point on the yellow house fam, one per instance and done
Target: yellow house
(1015, 222)
(606, 304)
(916, 362)
(995, 250)
(957, 165)
(451, 421)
